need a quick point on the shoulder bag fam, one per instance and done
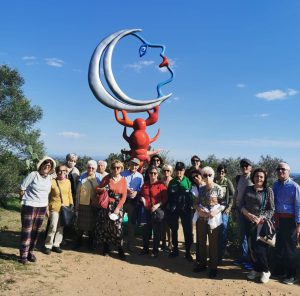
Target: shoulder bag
(66, 213)
(266, 231)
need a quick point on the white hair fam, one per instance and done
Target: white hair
(92, 163)
(167, 167)
(285, 165)
(208, 170)
(103, 162)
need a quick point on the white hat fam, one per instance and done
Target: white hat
(46, 158)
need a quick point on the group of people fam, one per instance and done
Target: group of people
(157, 199)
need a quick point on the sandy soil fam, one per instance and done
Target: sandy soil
(85, 273)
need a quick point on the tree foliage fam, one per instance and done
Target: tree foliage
(20, 144)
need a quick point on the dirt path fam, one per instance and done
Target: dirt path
(83, 273)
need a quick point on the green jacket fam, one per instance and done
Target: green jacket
(179, 194)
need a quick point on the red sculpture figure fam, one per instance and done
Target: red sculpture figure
(139, 140)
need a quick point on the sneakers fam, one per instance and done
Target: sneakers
(57, 250)
(289, 281)
(265, 276)
(253, 274)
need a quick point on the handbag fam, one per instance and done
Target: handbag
(158, 215)
(266, 232)
(101, 201)
(66, 212)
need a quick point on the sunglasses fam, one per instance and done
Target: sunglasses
(244, 165)
(207, 175)
(90, 168)
(156, 160)
(47, 163)
(116, 167)
(195, 160)
(61, 171)
(152, 173)
(166, 170)
(281, 169)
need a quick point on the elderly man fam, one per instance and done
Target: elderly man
(134, 181)
(242, 182)
(180, 206)
(287, 216)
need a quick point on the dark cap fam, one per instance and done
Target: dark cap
(245, 161)
(179, 166)
(135, 160)
(195, 157)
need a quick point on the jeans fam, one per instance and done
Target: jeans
(243, 242)
(223, 236)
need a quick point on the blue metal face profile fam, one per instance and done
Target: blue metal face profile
(165, 62)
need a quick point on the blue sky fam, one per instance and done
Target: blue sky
(237, 67)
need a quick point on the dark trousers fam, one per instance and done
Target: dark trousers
(186, 221)
(285, 249)
(147, 231)
(204, 231)
(32, 220)
(258, 250)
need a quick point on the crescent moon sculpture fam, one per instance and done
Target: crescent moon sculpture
(120, 101)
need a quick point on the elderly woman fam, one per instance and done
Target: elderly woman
(109, 221)
(258, 205)
(153, 197)
(86, 192)
(34, 193)
(60, 194)
(207, 225)
(101, 169)
(73, 173)
(167, 171)
(227, 201)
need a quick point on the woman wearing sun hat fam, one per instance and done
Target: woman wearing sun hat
(34, 191)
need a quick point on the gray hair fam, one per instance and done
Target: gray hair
(92, 163)
(71, 156)
(167, 167)
(103, 162)
(208, 170)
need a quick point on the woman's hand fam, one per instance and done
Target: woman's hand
(155, 207)
(116, 211)
(143, 200)
(202, 213)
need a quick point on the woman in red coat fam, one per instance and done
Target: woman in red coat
(153, 196)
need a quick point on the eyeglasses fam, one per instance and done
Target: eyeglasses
(195, 160)
(134, 164)
(281, 169)
(116, 167)
(61, 171)
(207, 175)
(152, 173)
(156, 160)
(166, 170)
(90, 168)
